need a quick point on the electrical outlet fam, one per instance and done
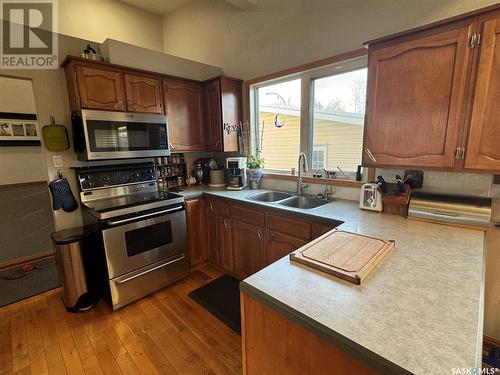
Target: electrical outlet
(57, 161)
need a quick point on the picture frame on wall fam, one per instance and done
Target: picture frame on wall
(19, 129)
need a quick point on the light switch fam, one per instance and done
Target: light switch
(57, 161)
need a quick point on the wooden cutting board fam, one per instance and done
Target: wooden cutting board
(347, 255)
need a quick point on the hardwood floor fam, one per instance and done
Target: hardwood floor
(164, 333)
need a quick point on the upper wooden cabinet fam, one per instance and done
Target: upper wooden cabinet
(415, 100)
(201, 115)
(184, 109)
(143, 94)
(432, 96)
(99, 88)
(483, 147)
(223, 110)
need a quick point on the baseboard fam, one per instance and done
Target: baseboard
(31, 258)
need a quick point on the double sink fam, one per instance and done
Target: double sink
(289, 200)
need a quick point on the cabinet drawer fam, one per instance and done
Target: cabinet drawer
(219, 206)
(293, 227)
(248, 215)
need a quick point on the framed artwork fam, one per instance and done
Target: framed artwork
(19, 129)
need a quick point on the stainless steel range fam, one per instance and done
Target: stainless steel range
(142, 230)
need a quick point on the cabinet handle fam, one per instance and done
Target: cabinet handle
(171, 145)
(457, 153)
(370, 155)
(270, 238)
(226, 224)
(118, 103)
(212, 206)
(259, 234)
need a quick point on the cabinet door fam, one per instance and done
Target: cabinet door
(232, 113)
(211, 232)
(143, 94)
(100, 88)
(213, 116)
(415, 100)
(183, 106)
(280, 245)
(320, 228)
(483, 150)
(224, 243)
(195, 217)
(248, 248)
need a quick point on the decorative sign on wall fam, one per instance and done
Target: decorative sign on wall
(18, 129)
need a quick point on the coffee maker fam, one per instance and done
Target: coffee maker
(237, 173)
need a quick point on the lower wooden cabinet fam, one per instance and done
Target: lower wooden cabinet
(224, 242)
(211, 232)
(248, 248)
(280, 245)
(195, 217)
(242, 239)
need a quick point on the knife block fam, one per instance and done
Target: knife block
(395, 204)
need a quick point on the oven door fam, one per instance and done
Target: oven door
(132, 243)
(116, 135)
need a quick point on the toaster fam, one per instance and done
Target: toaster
(370, 198)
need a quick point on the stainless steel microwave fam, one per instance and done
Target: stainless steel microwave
(99, 135)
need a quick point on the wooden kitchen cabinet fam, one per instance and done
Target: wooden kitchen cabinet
(224, 242)
(321, 228)
(184, 109)
(195, 217)
(248, 248)
(143, 94)
(483, 147)
(280, 245)
(99, 88)
(223, 111)
(211, 232)
(416, 99)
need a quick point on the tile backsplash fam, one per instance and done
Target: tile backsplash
(476, 184)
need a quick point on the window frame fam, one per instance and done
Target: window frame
(307, 77)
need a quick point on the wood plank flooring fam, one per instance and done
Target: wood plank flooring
(164, 333)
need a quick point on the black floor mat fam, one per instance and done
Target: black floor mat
(16, 284)
(221, 297)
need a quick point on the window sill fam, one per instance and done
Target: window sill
(320, 181)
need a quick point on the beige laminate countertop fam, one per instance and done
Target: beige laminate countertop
(419, 311)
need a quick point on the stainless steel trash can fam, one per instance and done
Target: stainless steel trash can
(70, 248)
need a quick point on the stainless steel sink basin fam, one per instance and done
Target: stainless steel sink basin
(269, 196)
(304, 202)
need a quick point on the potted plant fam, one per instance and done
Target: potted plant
(255, 164)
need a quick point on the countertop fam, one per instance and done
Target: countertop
(419, 311)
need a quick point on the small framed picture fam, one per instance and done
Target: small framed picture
(30, 130)
(5, 129)
(17, 130)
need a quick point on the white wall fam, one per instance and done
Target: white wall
(278, 34)
(97, 20)
(19, 164)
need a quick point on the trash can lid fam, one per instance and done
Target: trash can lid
(67, 236)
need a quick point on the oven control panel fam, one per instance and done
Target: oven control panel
(96, 178)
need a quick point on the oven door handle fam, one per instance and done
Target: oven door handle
(122, 281)
(124, 221)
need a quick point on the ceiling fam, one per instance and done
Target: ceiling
(163, 7)
(160, 7)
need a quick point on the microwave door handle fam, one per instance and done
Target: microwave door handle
(118, 282)
(124, 221)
